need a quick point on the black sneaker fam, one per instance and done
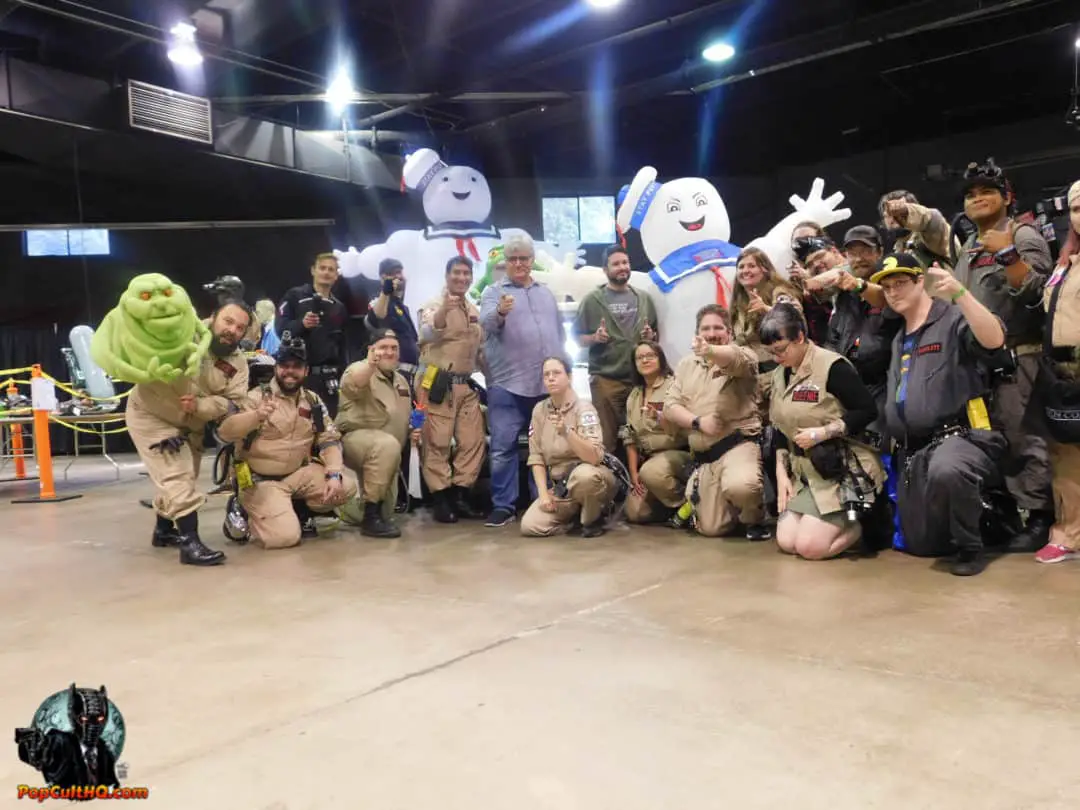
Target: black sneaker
(499, 517)
(968, 563)
(756, 534)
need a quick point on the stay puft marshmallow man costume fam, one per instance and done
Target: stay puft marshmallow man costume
(457, 206)
(684, 229)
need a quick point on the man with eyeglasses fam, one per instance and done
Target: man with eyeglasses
(948, 450)
(522, 327)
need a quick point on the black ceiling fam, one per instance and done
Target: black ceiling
(830, 77)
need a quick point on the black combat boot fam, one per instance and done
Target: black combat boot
(462, 506)
(192, 550)
(373, 524)
(165, 533)
(1034, 535)
(308, 529)
(442, 508)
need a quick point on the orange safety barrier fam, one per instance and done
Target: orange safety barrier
(43, 451)
(17, 447)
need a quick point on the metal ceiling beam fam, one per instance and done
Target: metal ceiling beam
(401, 98)
(532, 67)
(210, 52)
(682, 81)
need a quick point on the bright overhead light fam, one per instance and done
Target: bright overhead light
(1078, 44)
(604, 4)
(183, 51)
(718, 52)
(340, 92)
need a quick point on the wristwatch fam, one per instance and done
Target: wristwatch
(696, 424)
(330, 476)
(862, 286)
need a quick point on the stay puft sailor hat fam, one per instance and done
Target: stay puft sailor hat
(634, 200)
(420, 169)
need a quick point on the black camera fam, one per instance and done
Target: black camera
(807, 246)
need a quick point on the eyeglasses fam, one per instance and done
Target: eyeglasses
(776, 350)
(897, 285)
(647, 356)
(519, 259)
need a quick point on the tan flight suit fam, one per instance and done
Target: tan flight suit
(374, 424)
(730, 489)
(281, 462)
(662, 455)
(457, 419)
(154, 414)
(804, 403)
(1065, 458)
(590, 488)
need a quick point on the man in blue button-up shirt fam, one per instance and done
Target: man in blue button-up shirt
(522, 328)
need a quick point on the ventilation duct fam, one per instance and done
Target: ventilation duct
(167, 112)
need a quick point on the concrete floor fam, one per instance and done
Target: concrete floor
(463, 668)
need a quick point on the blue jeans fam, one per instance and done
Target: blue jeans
(508, 415)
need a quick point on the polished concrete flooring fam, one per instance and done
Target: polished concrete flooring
(463, 668)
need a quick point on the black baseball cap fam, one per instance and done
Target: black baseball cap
(867, 234)
(896, 263)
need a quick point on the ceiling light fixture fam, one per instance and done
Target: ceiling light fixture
(718, 52)
(182, 50)
(340, 92)
(604, 4)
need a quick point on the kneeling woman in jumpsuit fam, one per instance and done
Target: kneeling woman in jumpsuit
(657, 452)
(566, 454)
(820, 406)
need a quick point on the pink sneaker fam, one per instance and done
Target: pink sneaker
(1053, 553)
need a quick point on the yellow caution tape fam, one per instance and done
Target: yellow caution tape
(87, 430)
(14, 370)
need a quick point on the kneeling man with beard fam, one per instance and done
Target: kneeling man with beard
(167, 422)
(288, 454)
(714, 398)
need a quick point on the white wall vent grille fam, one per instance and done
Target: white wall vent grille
(167, 112)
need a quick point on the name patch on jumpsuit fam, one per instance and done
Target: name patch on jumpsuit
(225, 368)
(929, 348)
(806, 393)
(304, 412)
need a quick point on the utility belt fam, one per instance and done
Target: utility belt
(871, 438)
(974, 417)
(714, 453)
(718, 450)
(246, 477)
(439, 382)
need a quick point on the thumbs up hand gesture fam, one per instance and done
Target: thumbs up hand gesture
(601, 334)
(946, 286)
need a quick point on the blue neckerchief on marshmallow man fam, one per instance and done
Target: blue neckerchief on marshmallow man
(693, 258)
(687, 260)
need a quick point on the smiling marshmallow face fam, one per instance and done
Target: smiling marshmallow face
(685, 211)
(457, 194)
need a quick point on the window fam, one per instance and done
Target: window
(74, 242)
(584, 220)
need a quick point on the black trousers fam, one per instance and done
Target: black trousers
(940, 492)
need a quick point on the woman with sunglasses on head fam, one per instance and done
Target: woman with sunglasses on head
(826, 478)
(566, 456)
(656, 451)
(1064, 355)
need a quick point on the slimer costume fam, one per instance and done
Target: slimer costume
(155, 339)
(152, 335)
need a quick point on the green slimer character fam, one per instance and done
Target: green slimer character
(152, 335)
(496, 257)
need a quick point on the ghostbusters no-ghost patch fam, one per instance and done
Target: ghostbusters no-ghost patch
(807, 392)
(588, 419)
